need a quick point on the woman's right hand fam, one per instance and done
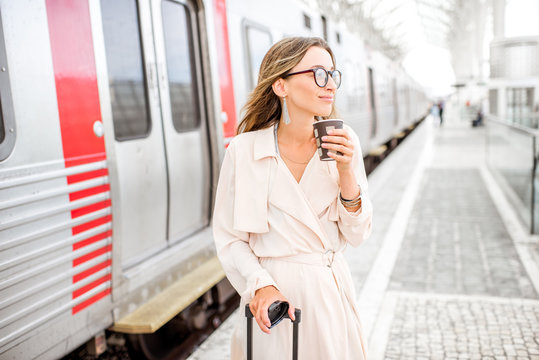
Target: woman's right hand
(260, 304)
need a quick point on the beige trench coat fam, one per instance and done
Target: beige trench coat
(271, 230)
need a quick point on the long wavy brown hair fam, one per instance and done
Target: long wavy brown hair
(263, 108)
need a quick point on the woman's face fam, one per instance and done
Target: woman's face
(303, 94)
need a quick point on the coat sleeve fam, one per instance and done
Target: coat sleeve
(357, 227)
(240, 264)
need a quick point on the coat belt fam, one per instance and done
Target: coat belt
(318, 259)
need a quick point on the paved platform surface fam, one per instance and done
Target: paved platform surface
(449, 272)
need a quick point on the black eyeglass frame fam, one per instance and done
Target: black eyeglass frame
(328, 74)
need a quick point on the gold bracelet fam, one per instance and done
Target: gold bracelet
(351, 203)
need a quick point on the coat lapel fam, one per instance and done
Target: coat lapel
(288, 195)
(262, 177)
(321, 187)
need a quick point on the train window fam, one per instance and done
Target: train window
(373, 104)
(307, 21)
(325, 27)
(2, 129)
(258, 42)
(127, 81)
(180, 66)
(7, 118)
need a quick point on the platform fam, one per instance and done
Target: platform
(449, 271)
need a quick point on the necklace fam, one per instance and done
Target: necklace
(295, 162)
(279, 153)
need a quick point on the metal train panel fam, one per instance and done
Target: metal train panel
(138, 178)
(54, 206)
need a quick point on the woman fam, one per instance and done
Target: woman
(282, 217)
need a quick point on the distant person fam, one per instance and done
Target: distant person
(283, 217)
(441, 112)
(478, 121)
(434, 110)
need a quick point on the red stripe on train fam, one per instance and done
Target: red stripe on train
(105, 249)
(84, 274)
(88, 192)
(90, 286)
(90, 208)
(85, 159)
(226, 84)
(71, 179)
(77, 94)
(92, 240)
(90, 301)
(91, 224)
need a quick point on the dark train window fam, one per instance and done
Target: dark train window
(324, 27)
(307, 21)
(180, 66)
(258, 41)
(372, 93)
(2, 129)
(127, 81)
(7, 117)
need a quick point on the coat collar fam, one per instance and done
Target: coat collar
(264, 145)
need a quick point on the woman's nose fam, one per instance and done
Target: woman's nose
(331, 85)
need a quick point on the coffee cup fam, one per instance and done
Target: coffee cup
(321, 128)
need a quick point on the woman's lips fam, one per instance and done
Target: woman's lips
(327, 98)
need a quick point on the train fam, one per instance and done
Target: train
(115, 116)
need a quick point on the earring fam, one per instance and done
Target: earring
(286, 116)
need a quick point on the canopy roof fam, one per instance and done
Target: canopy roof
(395, 26)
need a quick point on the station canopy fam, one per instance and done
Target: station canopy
(397, 26)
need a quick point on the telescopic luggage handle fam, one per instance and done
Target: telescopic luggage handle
(277, 311)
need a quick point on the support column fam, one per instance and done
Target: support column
(498, 7)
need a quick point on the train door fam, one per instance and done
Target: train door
(183, 113)
(160, 142)
(139, 184)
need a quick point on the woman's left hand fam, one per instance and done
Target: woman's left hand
(339, 140)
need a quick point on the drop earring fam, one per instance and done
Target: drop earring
(286, 116)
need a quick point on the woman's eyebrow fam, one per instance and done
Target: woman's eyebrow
(321, 66)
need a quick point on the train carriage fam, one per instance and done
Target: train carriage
(114, 118)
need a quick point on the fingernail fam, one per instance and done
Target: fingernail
(324, 138)
(330, 132)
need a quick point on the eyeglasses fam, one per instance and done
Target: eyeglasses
(321, 76)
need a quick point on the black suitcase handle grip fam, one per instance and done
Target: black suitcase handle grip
(297, 313)
(279, 312)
